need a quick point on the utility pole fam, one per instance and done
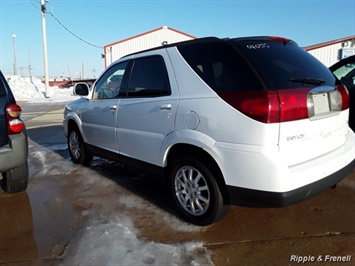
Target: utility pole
(82, 71)
(29, 65)
(45, 57)
(14, 48)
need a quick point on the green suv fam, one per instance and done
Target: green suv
(13, 142)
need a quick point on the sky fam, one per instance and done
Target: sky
(77, 30)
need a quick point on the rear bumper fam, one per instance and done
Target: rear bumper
(15, 153)
(250, 197)
(262, 176)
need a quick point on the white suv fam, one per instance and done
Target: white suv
(255, 121)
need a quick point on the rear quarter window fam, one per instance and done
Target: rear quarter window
(279, 62)
(220, 66)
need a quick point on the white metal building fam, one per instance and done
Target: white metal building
(331, 52)
(146, 40)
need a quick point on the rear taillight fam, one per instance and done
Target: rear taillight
(344, 96)
(285, 105)
(262, 106)
(15, 124)
(293, 104)
(270, 106)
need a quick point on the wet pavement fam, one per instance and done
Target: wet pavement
(107, 214)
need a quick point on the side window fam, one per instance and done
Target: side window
(149, 78)
(109, 85)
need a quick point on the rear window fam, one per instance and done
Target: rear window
(220, 66)
(284, 65)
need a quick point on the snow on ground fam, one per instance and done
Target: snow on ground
(33, 90)
(114, 241)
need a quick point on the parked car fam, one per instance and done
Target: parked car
(251, 121)
(13, 142)
(344, 70)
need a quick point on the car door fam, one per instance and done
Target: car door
(344, 70)
(99, 115)
(147, 113)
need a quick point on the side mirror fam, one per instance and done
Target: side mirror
(81, 89)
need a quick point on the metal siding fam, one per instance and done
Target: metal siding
(143, 42)
(329, 54)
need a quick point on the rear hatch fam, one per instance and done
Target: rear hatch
(273, 81)
(312, 106)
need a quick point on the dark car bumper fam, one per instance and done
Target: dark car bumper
(257, 198)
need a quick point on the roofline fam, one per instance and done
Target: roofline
(208, 39)
(148, 32)
(176, 44)
(320, 45)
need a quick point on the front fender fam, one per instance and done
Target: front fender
(185, 136)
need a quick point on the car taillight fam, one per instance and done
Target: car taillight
(262, 106)
(15, 124)
(284, 105)
(270, 106)
(344, 96)
(293, 104)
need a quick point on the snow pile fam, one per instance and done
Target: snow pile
(33, 90)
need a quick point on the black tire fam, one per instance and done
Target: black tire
(15, 180)
(76, 147)
(196, 192)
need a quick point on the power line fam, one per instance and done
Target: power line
(68, 30)
(32, 2)
(72, 33)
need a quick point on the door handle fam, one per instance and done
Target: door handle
(113, 107)
(165, 106)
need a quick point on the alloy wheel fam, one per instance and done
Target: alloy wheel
(74, 144)
(192, 191)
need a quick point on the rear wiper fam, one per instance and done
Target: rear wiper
(317, 82)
